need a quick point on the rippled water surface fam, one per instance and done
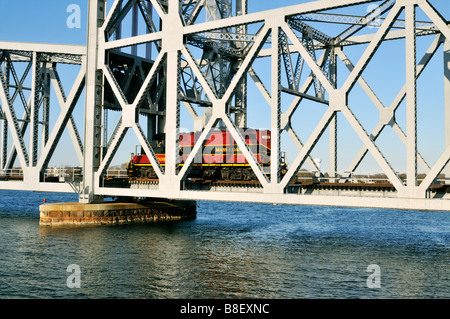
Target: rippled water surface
(232, 250)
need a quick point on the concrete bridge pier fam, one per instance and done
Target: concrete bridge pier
(113, 213)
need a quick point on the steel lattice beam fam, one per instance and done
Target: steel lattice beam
(216, 79)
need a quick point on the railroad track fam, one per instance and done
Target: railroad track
(144, 181)
(225, 183)
(213, 183)
(257, 184)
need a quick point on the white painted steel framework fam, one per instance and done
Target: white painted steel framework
(206, 64)
(33, 102)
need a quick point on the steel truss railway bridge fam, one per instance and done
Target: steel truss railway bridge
(161, 65)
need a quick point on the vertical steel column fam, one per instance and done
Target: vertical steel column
(4, 143)
(275, 118)
(46, 105)
(34, 108)
(4, 128)
(333, 124)
(172, 112)
(93, 103)
(118, 32)
(160, 120)
(172, 44)
(447, 101)
(411, 98)
(333, 148)
(135, 27)
(148, 46)
(241, 90)
(151, 119)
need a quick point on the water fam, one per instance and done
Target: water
(231, 250)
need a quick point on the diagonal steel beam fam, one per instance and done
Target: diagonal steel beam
(8, 110)
(443, 160)
(63, 119)
(149, 80)
(435, 17)
(315, 68)
(309, 145)
(119, 135)
(364, 21)
(259, 84)
(10, 159)
(368, 142)
(248, 61)
(71, 125)
(148, 150)
(198, 147)
(116, 15)
(118, 92)
(312, 164)
(19, 83)
(371, 49)
(209, 91)
(161, 11)
(393, 107)
(192, 16)
(238, 138)
(263, 15)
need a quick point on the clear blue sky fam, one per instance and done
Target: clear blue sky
(44, 21)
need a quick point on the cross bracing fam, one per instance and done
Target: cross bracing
(29, 74)
(204, 58)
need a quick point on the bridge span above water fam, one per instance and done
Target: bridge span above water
(356, 83)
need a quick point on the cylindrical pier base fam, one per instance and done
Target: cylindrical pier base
(111, 213)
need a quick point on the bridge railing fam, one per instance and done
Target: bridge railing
(11, 174)
(116, 173)
(364, 178)
(70, 174)
(75, 174)
(64, 174)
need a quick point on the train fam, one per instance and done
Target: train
(220, 157)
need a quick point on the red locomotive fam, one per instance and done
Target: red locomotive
(219, 159)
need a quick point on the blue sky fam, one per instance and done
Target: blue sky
(41, 21)
(44, 21)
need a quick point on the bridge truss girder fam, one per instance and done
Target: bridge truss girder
(282, 30)
(28, 74)
(284, 36)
